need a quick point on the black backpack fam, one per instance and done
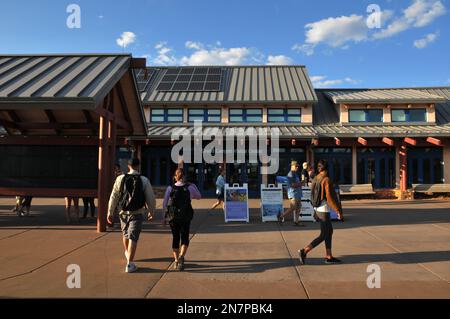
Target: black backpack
(132, 195)
(179, 206)
(316, 192)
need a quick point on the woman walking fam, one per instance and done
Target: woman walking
(322, 186)
(179, 213)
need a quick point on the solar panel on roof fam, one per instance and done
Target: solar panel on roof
(143, 78)
(191, 79)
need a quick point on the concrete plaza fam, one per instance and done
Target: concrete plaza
(409, 240)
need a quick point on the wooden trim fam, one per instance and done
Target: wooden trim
(410, 141)
(388, 141)
(434, 141)
(48, 192)
(362, 141)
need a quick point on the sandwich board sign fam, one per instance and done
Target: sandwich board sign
(271, 202)
(307, 212)
(236, 203)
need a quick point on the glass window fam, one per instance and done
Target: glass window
(398, 115)
(175, 115)
(245, 115)
(294, 115)
(204, 115)
(157, 115)
(374, 116)
(410, 115)
(417, 115)
(357, 115)
(283, 115)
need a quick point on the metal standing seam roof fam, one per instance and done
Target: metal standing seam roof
(164, 132)
(383, 96)
(56, 79)
(242, 85)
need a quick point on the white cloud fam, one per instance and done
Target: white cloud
(321, 81)
(279, 60)
(220, 56)
(344, 30)
(419, 14)
(307, 49)
(429, 38)
(126, 39)
(194, 45)
(165, 56)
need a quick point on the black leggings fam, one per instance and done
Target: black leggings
(180, 231)
(89, 201)
(326, 232)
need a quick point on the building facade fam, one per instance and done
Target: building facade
(390, 138)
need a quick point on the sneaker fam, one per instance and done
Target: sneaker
(131, 267)
(180, 265)
(332, 260)
(302, 255)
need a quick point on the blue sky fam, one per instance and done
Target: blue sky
(411, 47)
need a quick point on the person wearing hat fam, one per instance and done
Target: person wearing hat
(132, 196)
(294, 193)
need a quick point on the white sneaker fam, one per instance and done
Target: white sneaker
(131, 267)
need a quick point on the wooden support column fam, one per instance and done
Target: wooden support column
(102, 174)
(354, 165)
(447, 161)
(112, 137)
(403, 167)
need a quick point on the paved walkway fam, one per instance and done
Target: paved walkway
(409, 240)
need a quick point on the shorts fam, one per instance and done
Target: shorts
(220, 196)
(131, 226)
(295, 204)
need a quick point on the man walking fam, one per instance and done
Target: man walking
(294, 194)
(130, 194)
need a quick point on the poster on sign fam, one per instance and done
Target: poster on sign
(271, 202)
(236, 203)
(307, 212)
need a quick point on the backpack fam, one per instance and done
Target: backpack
(316, 192)
(179, 206)
(132, 197)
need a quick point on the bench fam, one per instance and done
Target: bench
(431, 188)
(356, 189)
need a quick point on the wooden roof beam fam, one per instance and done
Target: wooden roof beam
(337, 141)
(410, 141)
(52, 119)
(388, 141)
(362, 141)
(434, 141)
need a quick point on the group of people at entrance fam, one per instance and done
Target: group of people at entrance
(133, 199)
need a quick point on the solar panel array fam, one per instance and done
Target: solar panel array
(143, 78)
(191, 79)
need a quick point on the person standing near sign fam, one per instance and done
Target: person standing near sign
(179, 213)
(294, 194)
(220, 189)
(323, 196)
(306, 180)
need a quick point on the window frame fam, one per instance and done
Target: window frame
(166, 115)
(366, 115)
(205, 114)
(285, 115)
(245, 115)
(408, 115)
